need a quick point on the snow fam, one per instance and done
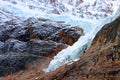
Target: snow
(90, 15)
(88, 9)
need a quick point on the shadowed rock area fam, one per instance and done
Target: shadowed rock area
(100, 62)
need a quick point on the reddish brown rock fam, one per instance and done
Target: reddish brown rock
(44, 48)
(67, 35)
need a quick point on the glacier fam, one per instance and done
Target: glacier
(72, 53)
(90, 15)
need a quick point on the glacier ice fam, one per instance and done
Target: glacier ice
(73, 52)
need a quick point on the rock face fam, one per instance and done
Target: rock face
(100, 62)
(1, 44)
(16, 34)
(12, 63)
(41, 28)
(44, 48)
(13, 45)
(24, 41)
(29, 29)
(67, 35)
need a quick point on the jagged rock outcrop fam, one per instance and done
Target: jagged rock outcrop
(15, 34)
(42, 28)
(67, 35)
(28, 29)
(100, 62)
(24, 41)
(44, 48)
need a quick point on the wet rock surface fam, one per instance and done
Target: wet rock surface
(24, 41)
(100, 62)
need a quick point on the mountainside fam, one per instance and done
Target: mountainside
(84, 9)
(39, 36)
(100, 62)
(25, 41)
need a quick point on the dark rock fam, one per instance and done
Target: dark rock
(25, 41)
(44, 48)
(29, 29)
(67, 35)
(13, 45)
(13, 63)
(42, 29)
(39, 28)
(1, 44)
(11, 29)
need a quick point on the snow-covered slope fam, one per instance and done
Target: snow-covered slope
(91, 15)
(84, 9)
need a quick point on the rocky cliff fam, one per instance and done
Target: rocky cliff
(23, 42)
(100, 62)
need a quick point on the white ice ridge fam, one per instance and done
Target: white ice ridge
(73, 52)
